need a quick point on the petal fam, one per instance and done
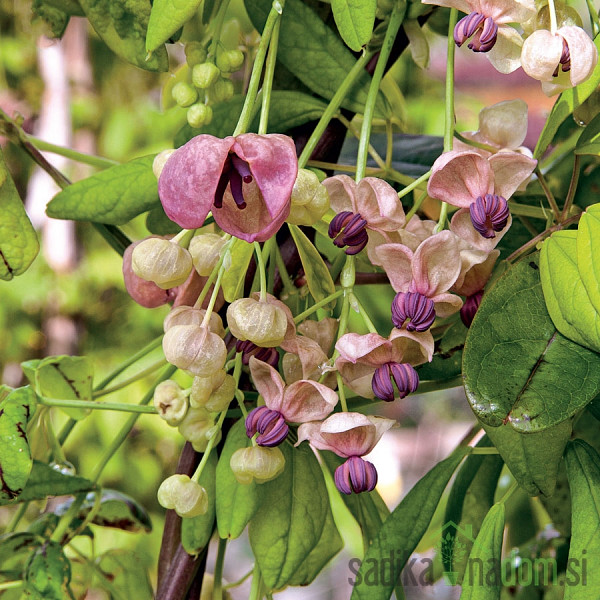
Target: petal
(310, 354)
(504, 124)
(312, 432)
(541, 54)
(462, 226)
(583, 52)
(458, 178)
(508, 11)
(475, 278)
(290, 332)
(354, 434)
(436, 264)
(307, 400)
(268, 383)
(396, 260)
(505, 56)
(446, 304)
(357, 376)
(510, 169)
(341, 189)
(370, 349)
(412, 347)
(189, 179)
(377, 202)
(465, 6)
(323, 332)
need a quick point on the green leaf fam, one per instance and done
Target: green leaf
(288, 526)
(15, 455)
(196, 531)
(403, 529)
(45, 481)
(589, 140)
(558, 506)
(447, 360)
(583, 470)
(588, 247)
(15, 548)
(122, 26)
(316, 272)
(533, 458)
(233, 278)
(566, 298)
(483, 579)
(63, 378)
(354, 20)
(517, 367)
(55, 18)
(236, 503)
(113, 196)
(18, 241)
(47, 572)
(158, 223)
(117, 510)
(313, 52)
(125, 572)
(329, 544)
(166, 18)
(567, 102)
(291, 109)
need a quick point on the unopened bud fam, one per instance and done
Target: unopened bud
(204, 75)
(184, 94)
(203, 387)
(310, 199)
(222, 90)
(194, 53)
(194, 349)
(170, 402)
(199, 114)
(187, 497)
(259, 463)
(159, 161)
(263, 324)
(221, 398)
(195, 428)
(187, 315)
(206, 251)
(161, 261)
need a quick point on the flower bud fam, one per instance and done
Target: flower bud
(184, 94)
(194, 349)
(187, 315)
(263, 324)
(187, 497)
(199, 114)
(161, 261)
(170, 402)
(203, 387)
(230, 61)
(194, 53)
(196, 428)
(168, 490)
(206, 251)
(310, 199)
(204, 75)
(220, 399)
(259, 463)
(159, 161)
(222, 90)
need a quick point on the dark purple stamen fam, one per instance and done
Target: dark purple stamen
(235, 171)
(469, 308)
(248, 349)
(418, 309)
(270, 424)
(402, 374)
(489, 213)
(565, 59)
(483, 31)
(348, 229)
(355, 475)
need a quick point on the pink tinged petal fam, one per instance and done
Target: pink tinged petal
(268, 383)
(189, 179)
(459, 177)
(414, 347)
(290, 332)
(309, 352)
(583, 52)
(510, 169)
(541, 54)
(306, 400)
(370, 349)
(446, 304)
(377, 202)
(505, 56)
(356, 376)
(436, 264)
(475, 278)
(341, 189)
(465, 6)
(462, 226)
(396, 260)
(311, 432)
(508, 11)
(504, 124)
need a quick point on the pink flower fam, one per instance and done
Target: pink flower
(246, 181)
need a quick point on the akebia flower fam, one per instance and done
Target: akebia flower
(486, 26)
(245, 181)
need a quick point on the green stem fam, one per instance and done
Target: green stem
(225, 251)
(213, 297)
(553, 23)
(572, 188)
(88, 159)
(288, 286)
(218, 573)
(19, 514)
(593, 18)
(548, 194)
(449, 114)
(267, 86)
(481, 450)
(259, 61)
(309, 311)
(256, 587)
(509, 492)
(261, 272)
(524, 210)
(123, 384)
(389, 148)
(218, 26)
(183, 238)
(433, 386)
(415, 184)
(239, 581)
(363, 314)
(118, 406)
(415, 207)
(211, 442)
(11, 585)
(333, 107)
(58, 454)
(464, 140)
(239, 394)
(390, 36)
(443, 216)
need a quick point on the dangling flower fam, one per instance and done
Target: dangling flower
(486, 26)
(246, 181)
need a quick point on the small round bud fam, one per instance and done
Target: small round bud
(203, 387)
(187, 497)
(170, 402)
(187, 315)
(221, 398)
(259, 463)
(194, 349)
(168, 490)
(161, 261)
(222, 90)
(160, 160)
(184, 94)
(310, 199)
(204, 75)
(223, 62)
(206, 250)
(230, 61)
(194, 53)
(196, 427)
(263, 324)
(199, 114)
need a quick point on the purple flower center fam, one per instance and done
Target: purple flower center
(235, 172)
(402, 374)
(565, 59)
(349, 229)
(481, 29)
(355, 475)
(248, 349)
(418, 309)
(269, 424)
(469, 308)
(489, 214)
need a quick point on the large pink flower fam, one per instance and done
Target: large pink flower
(246, 181)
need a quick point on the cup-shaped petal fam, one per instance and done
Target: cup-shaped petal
(306, 400)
